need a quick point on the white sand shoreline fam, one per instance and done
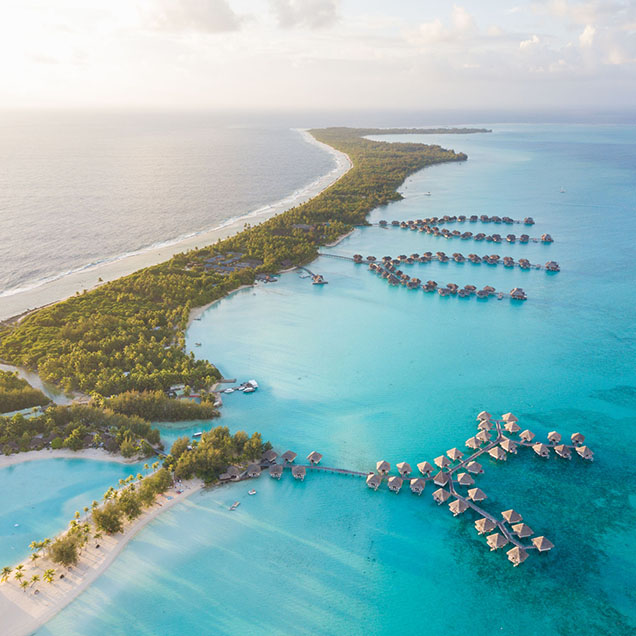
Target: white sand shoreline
(96, 454)
(24, 612)
(88, 278)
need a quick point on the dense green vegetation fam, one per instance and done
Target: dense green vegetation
(211, 456)
(157, 407)
(17, 394)
(76, 427)
(129, 334)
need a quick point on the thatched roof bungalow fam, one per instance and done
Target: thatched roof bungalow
(374, 480)
(464, 479)
(496, 541)
(441, 495)
(288, 456)
(314, 458)
(484, 525)
(275, 471)
(299, 472)
(476, 494)
(458, 506)
(441, 479)
(383, 467)
(474, 467)
(522, 530)
(404, 469)
(511, 516)
(425, 468)
(395, 483)
(253, 470)
(542, 544)
(526, 436)
(563, 451)
(541, 449)
(417, 485)
(517, 555)
(585, 452)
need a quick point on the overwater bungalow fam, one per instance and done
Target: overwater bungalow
(484, 415)
(466, 235)
(395, 223)
(526, 436)
(496, 541)
(512, 427)
(314, 458)
(357, 258)
(452, 287)
(374, 480)
(233, 472)
(509, 417)
(485, 425)
(517, 293)
(541, 449)
(522, 530)
(462, 293)
(495, 219)
(442, 461)
(473, 218)
(275, 471)
(383, 467)
(253, 470)
(507, 220)
(546, 238)
(517, 555)
(524, 238)
(511, 238)
(425, 468)
(484, 218)
(458, 258)
(270, 456)
(554, 437)
(542, 544)
(483, 436)
(474, 258)
(509, 446)
(563, 451)
(461, 218)
(382, 223)
(552, 266)
(585, 452)
(417, 485)
(528, 220)
(480, 236)
(496, 238)
(498, 453)
(454, 454)
(299, 472)
(511, 516)
(288, 457)
(476, 494)
(441, 479)
(475, 468)
(472, 442)
(404, 469)
(317, 279)
(484, 525)
(489, 289)
(371, 258)
(458, 506)
(524, 263)
(441, 495)
(470, 288)
(577, 439)
(508, 261)
(464, 479)
(395, 483)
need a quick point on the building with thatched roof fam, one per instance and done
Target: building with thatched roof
(464, 479)
(299, 472)
(484, 525)
(314, 457)
(395, 483)
(577, 439)
(511, 516)
(454, 454)
(563, 451)
(475, 468)
(270, 456)
(485, 425)
(541, 449)
(425, 468)
(496, 541)
(509, 417)
(275, 471)
(472, 442)
(483, 436)
(234, 472)
(554, 437)
(498, 453)
(522, 530)
(253, 470)
(517, 555)
(542, 544)
(442, 461)
(508, 445)
(417, 485)
(526, 436)
(476, 494)
(374, 480)
(288, 456)
(441, 495)
(383, 467)
(484, 415)
(585, 452)
(512, 427)
(441, 479)
(404, 469)
(457, 507)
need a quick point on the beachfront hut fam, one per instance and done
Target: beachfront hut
(458, 506)
(253, 470)
(275, 471)
(474, 468)
(404, 469)
(472, 442)
(542, 544)
(441, 479)
(484, 525)
(585, 452)
(464, 479)
(374, 480)
(395, 483)
(314, 458)
(476, 494)
(484, 415)
(512, 427)
(541, 449)
(509, 446)
(577, 439)
(417, 485)
(288, 457)
(485, 425)
(496, 541)
(454, 454)
(270, 456)
(299, 472)
(383, 467)
(522, 530)
(511, 516)
(425, 468)
(442, 461)
(517, 555)
(234, 472)
(498, 453)
(509, 417)
(483, 436)
(554, 437)
(563, 451)
(441, 495)
(526, 436)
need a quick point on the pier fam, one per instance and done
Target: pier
(494, 439)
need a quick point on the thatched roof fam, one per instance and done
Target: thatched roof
(418, 485)
(485, 425)
(522, 530)
(585, 452)
(498, 453)
(395, 483)
(442, 461)
(496, 541)
(270, 455)
(454, 454)
(509, 417)
(508, 445)
(441, 495)
(541, 449)
(276, 471)
(441, 479)
(289, 456)
(554, 437)
(472, 442)
(483, 436)
(512, 427)
(314, 457)
(476, 494)
(474, 468)
(542, 544)
(577, 438)
(233, 471)
(484, 525)
(425, 468)
(404, 468)
(484, 415)
(526, 436)
(517, 555)
(563, 451)
(253, 470)
(458, 506)
(299, 472)
(373, 480)
(511, 516)
(464, 479)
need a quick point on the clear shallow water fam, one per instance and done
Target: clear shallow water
(103, 185)
(42, 497)
(361, 371)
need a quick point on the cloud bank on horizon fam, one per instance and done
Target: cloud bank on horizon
(329, 54)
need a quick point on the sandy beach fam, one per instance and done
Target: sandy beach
(97, 454)
(66, 286)
(23, 612)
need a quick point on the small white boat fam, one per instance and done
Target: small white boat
(241, 388)
(251, 492)
(228, 391)
(427, 194)
(197, 434)
(197, 344)
(252, 383)
(235, 505)
(249, 389)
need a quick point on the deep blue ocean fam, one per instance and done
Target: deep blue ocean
(361, 371)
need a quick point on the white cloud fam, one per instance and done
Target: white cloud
(314, 14)
(533, 41)
(462, 26)
(586, 39)
(195, 16)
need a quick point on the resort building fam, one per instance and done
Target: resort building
(314, 458)
(395, 483)
(288, 457)
(374, 480)
(542, 544)
(496, 541)
(526, 436)
(441, 495)
(457, 507)
(425, 468)
(464, 479)
(522, 530)
(484, 525)
(417, 485)
(511, 516)
(275, 471)
(383, 467)
(476, 494)
(253, 470)
(517, 556)
(498, 453)
(554, 437)
(270, 456)
(299, 472)
(404, 469)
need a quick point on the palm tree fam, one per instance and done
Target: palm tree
(24, 585)
(146, 467)
(155, 466)
(34, 579)
(35, 556)
(19, 568)
(76, 515)
(139, 476)
(18, 575)
(34, 545)
(48, 575)
(4, 574)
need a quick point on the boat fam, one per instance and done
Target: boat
(251, 492)
(252, 383)
(228, 391)
(197, 344)
(427, 194)
(235, 505)
(562, 190)
(197, 434)
(249, 389)
(241, 388)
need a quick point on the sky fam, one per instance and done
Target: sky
(318, 54)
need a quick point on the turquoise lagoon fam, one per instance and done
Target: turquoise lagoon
(361, 371)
